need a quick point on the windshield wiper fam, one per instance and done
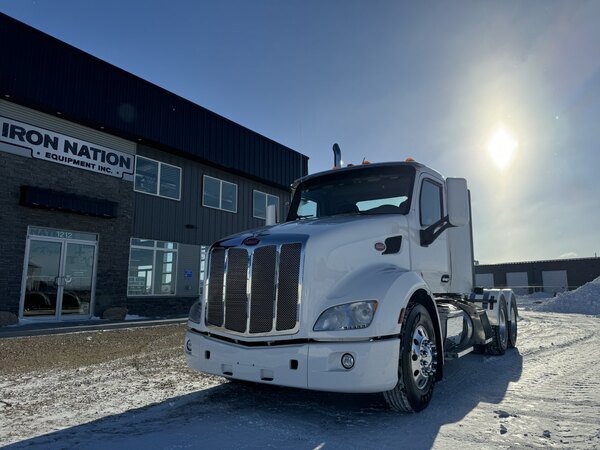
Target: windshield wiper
(358, 213)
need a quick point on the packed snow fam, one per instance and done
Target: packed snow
(544, 394)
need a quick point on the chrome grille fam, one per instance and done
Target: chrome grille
(254, 290)
(215, 289)
(236, 298)
(262, 309)
(287, 298)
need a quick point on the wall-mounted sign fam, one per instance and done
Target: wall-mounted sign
(27, 140)
(187, 273)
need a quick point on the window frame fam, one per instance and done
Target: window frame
(441, 190)
(266, 204)
(154, 248)
(160, 164)
(221, 182)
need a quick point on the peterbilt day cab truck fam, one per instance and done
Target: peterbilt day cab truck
(366, 287)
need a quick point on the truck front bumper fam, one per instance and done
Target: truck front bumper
(314, 365)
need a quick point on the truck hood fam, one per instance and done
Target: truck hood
(340, 257)
(336, 229)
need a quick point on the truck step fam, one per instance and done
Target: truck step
(459, 354)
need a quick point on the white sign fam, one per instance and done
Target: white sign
(23, 139)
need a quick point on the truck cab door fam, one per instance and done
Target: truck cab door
(430, 261)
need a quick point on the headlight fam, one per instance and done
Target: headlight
(195, 312)
(350, 316)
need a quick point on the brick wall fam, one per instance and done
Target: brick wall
(114, 234)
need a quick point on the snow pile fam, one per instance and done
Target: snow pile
(583, 300)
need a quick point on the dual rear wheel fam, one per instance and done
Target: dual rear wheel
(504, 335)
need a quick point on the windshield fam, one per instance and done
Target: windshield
(368, 190)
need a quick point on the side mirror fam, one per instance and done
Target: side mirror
(458, 201)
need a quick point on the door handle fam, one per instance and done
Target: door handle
(445, 278)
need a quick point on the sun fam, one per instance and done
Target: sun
(502, 146)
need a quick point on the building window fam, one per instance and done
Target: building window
(157, 178)
(152, 266)
(219, 194)
(431, 202)
(260, 203)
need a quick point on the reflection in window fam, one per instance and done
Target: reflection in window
(372, 190)
(306, 209)
(157, 178)
(152, 268)
(219, 194)
(146, 175)
(212, 193)
(228, 196)
(170, 178)
(203, 268)
(431, 203)
(372, 204)
(260, 203)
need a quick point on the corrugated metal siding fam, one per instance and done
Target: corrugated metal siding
(579, 271)
(188, 259)
(47, 74)
(165, 219)
(52, 123)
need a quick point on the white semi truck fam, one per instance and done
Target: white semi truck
(366, 287)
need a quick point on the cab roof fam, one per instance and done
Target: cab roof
(358, 167)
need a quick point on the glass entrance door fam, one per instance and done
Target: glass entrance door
(78, 279)
(43, 272)
(59, 274)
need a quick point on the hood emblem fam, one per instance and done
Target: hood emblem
(251, 241)
(380, 246)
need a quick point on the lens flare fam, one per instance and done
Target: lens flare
(502, 146)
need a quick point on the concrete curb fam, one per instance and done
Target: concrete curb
(44, 329)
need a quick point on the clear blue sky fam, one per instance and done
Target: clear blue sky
(387, 80)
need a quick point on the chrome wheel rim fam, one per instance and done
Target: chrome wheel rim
(502, 327)
(422, 357)
(513, 324)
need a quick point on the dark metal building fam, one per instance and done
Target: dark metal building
(534, 276)
(112, 187)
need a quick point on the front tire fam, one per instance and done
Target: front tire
(417, 363)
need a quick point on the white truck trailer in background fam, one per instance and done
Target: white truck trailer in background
(366, 287)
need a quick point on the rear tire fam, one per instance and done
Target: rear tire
(417, 362)
(499, 332)
(512, 324)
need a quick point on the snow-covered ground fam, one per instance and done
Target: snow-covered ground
(544, 394)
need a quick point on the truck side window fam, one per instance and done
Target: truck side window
(430, 202)
(307, 208)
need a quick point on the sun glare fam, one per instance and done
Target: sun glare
(502, 146)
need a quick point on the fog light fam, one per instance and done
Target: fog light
(347, 361)
(188, 346)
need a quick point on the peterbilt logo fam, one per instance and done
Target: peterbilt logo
(251, 241)
(380, 246)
